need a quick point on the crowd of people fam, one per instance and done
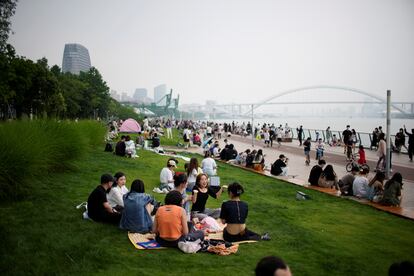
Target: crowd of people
(175, 220)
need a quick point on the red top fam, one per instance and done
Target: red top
(362, 159)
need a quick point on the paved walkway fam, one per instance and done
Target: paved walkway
(299, 172)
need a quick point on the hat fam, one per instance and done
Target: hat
(171, 163)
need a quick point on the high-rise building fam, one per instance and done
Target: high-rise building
(159, 92)
(75, 59)
(115, 95)
(140, 94)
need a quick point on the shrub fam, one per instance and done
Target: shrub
(32, 149)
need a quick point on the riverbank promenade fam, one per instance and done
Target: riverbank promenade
(299, 172)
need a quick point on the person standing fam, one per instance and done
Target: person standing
(346, 135)
(307, 148)
(410, 143)
(300, 135)
(382, 147)
(168, 126)
(328, 135)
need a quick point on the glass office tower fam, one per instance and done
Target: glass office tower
(75, 59)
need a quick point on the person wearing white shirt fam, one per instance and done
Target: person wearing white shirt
(117, 191)
(208, 165)
(360, 186)
(167, 176)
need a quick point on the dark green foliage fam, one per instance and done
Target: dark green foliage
(33, 149)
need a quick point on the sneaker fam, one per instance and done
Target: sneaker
(83, 204)
(157, 190)
(265, 237)
(165, 191)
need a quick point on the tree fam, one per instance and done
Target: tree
(7, 10)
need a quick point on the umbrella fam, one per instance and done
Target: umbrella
(206, 142)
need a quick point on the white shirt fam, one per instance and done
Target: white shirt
(209, 166)
(209, 129)
(360, 186)
(115, 196)
(166, 176)
(193, 175)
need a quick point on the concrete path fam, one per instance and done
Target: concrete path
(332, 155)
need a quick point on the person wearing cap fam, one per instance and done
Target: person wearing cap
(167, 176)
(279, 167)
(346, 182)
(98, 206)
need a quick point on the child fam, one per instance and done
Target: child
(361, 152)
(319, 149)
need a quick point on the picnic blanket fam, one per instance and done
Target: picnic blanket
(143, 241)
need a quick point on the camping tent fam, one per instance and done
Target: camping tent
(130, 126)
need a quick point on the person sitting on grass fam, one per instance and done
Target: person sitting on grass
(98, 207)
(234, 213)
(167, 177)
(315, 172)
(120, 147)
(272, 266)
(328, 178)
(180, 184)
(136, 216)
(192, 171)
(155, 141)
(117, 191)
(170, 223)
(360, 186)
(392, 191)
(208, 165)
(201, 192)
(346, 182)
(130, 149)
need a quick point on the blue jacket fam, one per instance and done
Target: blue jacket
(135, 217)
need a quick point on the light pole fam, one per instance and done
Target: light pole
(388, 154)
(252, 128)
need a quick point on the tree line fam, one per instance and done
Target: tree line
(29, 88)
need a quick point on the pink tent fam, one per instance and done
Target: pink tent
(130, 126)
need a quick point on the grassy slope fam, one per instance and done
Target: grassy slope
(323, 236)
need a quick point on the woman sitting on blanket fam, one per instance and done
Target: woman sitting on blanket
(234, 213)
(201, 192)
(170, 224)
(136, 216)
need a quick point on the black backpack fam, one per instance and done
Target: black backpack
(108, 147)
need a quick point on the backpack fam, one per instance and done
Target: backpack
(108, 147)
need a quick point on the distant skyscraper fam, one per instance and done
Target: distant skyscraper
(140, 94)
(75, 59)
(159, 92)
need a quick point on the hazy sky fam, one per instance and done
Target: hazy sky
(229, 51)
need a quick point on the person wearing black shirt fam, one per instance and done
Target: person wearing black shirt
(234, 213)
(120, 147)
(410, 143)
(155, 141)
(201, 192)
(300, 135)
(315, 172)
(306, 149)
(98, 207)
(346, 134)
(279, 167)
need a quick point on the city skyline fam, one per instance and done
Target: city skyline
(237, 51)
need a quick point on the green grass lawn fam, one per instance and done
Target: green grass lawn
(45, 234)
